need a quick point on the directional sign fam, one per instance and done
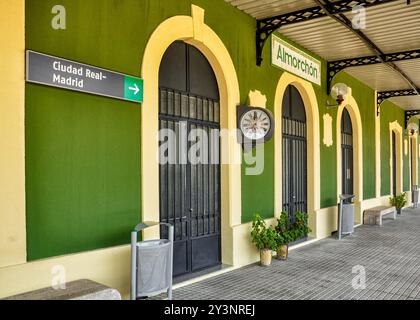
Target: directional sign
(62, 73)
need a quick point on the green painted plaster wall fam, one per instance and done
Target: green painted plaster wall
(83, 152)
(82, 171)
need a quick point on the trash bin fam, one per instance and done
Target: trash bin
(345, 215)
(151, 263)
(415, 196)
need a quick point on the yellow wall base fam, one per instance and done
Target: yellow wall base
(110, 267)
(326, 219)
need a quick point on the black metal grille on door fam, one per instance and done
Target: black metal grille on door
(294, 145)
(190, 188)
(347, 180)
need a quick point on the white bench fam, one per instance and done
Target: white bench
(374, 216)
(76, 290)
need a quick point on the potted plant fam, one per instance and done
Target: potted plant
(264, 239)
(398, 202)
(301, 227)
(284, 236)
(288, 232)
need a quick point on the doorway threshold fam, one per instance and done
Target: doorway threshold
(198, 276)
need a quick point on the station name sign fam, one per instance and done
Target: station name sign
(295, 61)
(62, 73)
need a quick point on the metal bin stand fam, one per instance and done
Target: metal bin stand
(151, 263)
(345, 215)
(415, 196)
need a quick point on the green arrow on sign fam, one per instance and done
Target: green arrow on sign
(133, 89)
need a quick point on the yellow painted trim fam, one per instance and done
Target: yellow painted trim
(328, 217)
(110, 267)
(395, 127)
(257, 99)
(377, 149)
(311, 106)
(12, 133)
(351, 105)
(198, 23)
(206, 40)
(328, 135)
(414, 152)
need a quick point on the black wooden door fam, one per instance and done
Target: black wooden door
(294, 153)
(190, 185)
(347, 175)
(394, 163)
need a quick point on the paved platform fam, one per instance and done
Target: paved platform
(323, 270)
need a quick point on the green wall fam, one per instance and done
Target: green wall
(83, 152)
(82, 171)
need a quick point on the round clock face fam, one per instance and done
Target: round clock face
(255, 124)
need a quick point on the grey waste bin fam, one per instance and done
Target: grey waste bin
(415, 196)
(345, 215)
(151, 263)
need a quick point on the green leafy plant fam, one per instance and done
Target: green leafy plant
(398, 201)
(283, 230)
(264, 238)
(301, 227)
(288, 232)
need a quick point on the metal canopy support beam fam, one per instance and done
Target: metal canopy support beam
(335, 67)
(384, 95)
(265, 27)
(342, 19)
(380, 56)
(409, 114)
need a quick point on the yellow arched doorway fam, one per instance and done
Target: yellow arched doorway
(352, 108)
(307, 93)
(193, 31)
(396, 178)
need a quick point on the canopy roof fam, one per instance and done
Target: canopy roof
(392, 26)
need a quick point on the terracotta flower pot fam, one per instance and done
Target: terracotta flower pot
(265, 257)
(283, 252)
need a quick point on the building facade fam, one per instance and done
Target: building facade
(79, 171)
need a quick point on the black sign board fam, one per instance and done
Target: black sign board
(52, 71)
